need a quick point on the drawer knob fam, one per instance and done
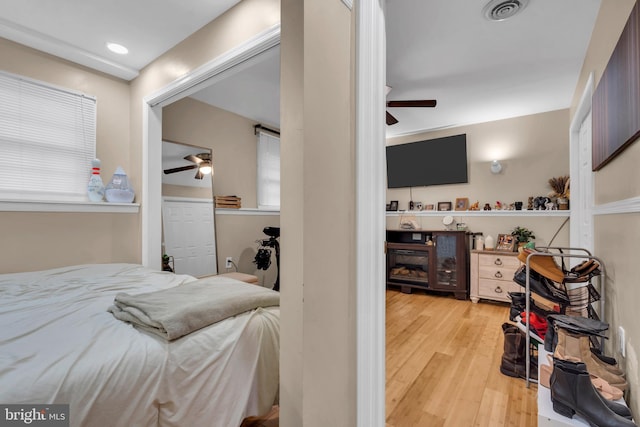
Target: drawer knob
(498, 290)
(498, 261)
(498, 275)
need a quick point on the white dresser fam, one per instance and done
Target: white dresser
(492, 275)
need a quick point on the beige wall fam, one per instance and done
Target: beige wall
(35, 241)
(292, 192)
(616, 234)
(531, 148)
(233, 143)
(231, 138)
(328, 339)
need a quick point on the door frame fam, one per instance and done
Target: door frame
(582, 194)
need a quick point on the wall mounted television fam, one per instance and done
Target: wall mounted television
(430, 162)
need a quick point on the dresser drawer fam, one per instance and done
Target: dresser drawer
(497, 289)
(496, 273)
(502, 260)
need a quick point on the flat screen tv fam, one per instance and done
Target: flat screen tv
(431, 162)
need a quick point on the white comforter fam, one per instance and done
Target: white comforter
(58, 344)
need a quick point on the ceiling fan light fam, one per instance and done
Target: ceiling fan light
(206, 169)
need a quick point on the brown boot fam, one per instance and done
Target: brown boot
(514, 357)
(575, 347)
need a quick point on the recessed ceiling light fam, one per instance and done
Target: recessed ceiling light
(499, 10)
(117, 48)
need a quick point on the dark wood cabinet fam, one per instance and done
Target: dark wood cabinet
(429, 260)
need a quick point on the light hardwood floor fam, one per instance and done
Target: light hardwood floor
(443, 359)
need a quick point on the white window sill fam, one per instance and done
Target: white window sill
(247, 211)
(48, 206)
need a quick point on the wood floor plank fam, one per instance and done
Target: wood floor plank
(443, 358)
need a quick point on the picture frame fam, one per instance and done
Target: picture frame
(392, 206)
(506, 243)
(428, 207)
(462, 204)
(444, 206)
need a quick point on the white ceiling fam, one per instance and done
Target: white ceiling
(477, 70)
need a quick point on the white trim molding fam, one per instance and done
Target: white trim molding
(19, 34)
(630, 205)
(211, 71)
(48, 206)
(370, 215)
(152, 104)
(553, 213)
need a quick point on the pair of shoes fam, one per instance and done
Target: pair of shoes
(518, 305)
(541, 286)
(605, 389)
(537, 324)
(573, 392)
(576, 347)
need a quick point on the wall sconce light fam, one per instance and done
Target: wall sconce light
(496, 167)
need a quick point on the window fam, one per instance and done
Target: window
(47, 141)
(268, 171)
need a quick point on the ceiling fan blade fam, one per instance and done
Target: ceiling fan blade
(180, 169)
(199, 174)
(391, 120)
(193, 159)
(417, 103)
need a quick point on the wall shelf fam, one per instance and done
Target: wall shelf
(49, 206)
(492, 213)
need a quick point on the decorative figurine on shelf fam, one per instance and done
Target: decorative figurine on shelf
(118, 189)
(498, 205)
(95, 188)
(475, 206)
(530, 204)
(487, 207)
(518, 205)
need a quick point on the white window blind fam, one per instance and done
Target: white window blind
(47, 140)
(268, 171)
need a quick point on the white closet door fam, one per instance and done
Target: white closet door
(189, 236)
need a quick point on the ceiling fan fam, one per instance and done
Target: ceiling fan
(416, 103)
(202, 163)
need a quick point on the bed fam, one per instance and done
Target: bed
(59, 344)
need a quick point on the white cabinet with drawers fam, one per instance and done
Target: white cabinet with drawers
(492, 275)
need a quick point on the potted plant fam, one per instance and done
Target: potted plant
(523, 235)
(560, 191)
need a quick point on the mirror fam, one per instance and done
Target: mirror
(188, 224)
(221, 117)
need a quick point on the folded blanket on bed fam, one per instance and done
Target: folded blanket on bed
(178, 311)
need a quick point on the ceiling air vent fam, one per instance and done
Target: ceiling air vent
(499, 10)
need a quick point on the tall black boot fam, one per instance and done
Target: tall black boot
(514, 357)
(572, 392)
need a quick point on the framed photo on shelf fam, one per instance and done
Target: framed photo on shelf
(392, 206)
(506, 243)
(462, 204)
(444, 206)
(428, 207)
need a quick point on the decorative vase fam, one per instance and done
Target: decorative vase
(95, 188)
(118, 189)
(563, 203)
(489, 244)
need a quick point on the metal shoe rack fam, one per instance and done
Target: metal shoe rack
(564, 253)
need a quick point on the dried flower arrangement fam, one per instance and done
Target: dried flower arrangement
(560, 187)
